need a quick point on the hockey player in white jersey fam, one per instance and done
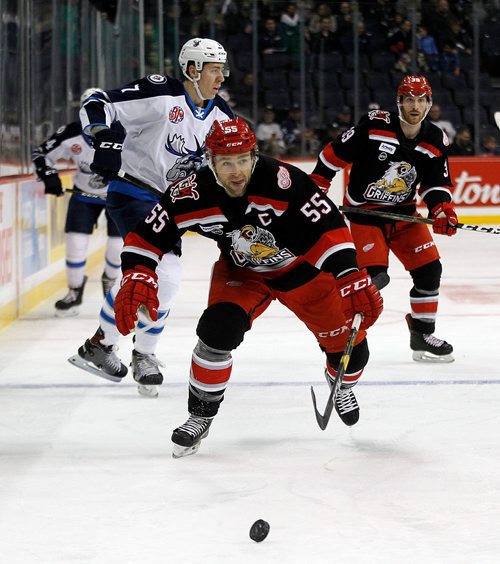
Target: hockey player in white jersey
(84, 208)
(166, 122)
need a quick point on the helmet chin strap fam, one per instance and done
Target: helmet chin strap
(194, 82)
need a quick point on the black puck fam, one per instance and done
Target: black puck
(259, 530)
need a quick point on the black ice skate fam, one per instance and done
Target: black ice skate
(99, 359)
(426, 347)
(146, 372)
(69, 306)
(187, 438)
(346, 406)
(107, 283)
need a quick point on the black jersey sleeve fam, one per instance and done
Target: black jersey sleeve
(43, 152)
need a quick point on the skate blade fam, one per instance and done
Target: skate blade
(423, 356)
(79, 362)
(179, 451)
(147, 391)
(72, 312)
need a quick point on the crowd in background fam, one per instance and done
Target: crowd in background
(444, 54)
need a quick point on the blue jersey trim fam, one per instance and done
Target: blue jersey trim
(133, 191)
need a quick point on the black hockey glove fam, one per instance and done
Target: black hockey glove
(107, 161)
(52, 183)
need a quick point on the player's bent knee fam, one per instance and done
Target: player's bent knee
(359, 357)
(222, 326)
(427, 277)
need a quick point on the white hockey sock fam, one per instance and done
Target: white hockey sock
(76, 258)
(112, 262)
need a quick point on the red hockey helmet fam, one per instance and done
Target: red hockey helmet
(230, 137)
(414, 86)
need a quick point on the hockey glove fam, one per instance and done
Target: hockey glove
(108, 145)
(52, 183)
(359, 295)
(321, 182)
(138, 287)
(445, 219)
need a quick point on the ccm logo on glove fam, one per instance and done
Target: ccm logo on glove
(355, 286)
(110, 145)
(146, 278)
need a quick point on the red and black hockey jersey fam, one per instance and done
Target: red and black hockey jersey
(283, 227)
(388, 169)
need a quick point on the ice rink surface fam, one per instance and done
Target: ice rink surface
(87, 474)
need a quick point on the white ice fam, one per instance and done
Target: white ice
(86, 474)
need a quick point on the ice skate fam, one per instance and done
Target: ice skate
(426, 347)
(107, 283)
(345, 403)
(69, 306)
(99, 359)
(146, 372)
(187, 438)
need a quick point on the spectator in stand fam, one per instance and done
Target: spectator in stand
(315, 23)
(344, 18)
(449, 60)
(269, 134)
(311, 142)
(462, 144)
(271, 40)
(289, 28)
(291, 131)
(436, 118)
(400, 41)
(365, 40)
(330, 134)
(427, 45)
(436, 16)
(243, 95)
(489, 147)
(325, 40)
(459, 37)
(344, 118)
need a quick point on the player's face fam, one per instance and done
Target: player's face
(211, 79)
(414, 108)
(234, 172)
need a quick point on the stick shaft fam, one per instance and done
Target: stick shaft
(416, 219)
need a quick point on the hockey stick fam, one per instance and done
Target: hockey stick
(82, 193)
(344, 361)
(416, 219)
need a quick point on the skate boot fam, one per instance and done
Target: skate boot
(69, 306)
(107, 283)
(346, 406)
(426, 347)
(187, 438)
(146, 372)
(99, 359)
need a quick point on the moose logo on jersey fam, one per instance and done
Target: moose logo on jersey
(257, 247)
(184, 189)
(395, 185)
(189, 160)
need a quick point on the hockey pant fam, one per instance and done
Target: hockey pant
(148, 334)
(237, 297)
(413, 245)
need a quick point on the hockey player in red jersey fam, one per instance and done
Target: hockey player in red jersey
(394, 156)
(280, 239)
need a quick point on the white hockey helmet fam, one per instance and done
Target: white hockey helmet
(87, 93)
(200, 51)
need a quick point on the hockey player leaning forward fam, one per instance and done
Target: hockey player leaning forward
(392, 155)
(84, 208)
(166, 122)
(280, 238)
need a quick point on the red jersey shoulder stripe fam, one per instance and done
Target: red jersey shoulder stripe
(259, 203)
(428, 150)
(186, 220)
(329, 158)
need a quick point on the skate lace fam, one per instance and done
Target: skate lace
(110, 359)
(147, 363)
(71, 296)
(195, 426)
(432, 341)
(346, 401)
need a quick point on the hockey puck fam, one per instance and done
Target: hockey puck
(259, 530)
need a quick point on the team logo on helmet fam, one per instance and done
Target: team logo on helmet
(176, 115)
(157, 78)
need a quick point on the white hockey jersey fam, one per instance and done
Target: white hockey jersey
(165, 131)
(68, 143)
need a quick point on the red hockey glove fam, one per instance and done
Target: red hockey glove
(321, 182)
(138, 287)
(445, 219)
(359, 295)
